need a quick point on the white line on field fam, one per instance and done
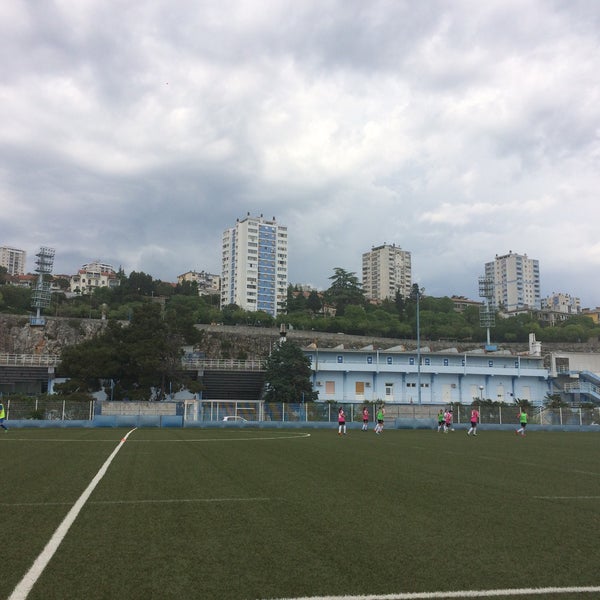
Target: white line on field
(141, 501)
(24, 586)
(181, 500)
(288, 436)
(567, 497)
(462, 594)
(226, 439)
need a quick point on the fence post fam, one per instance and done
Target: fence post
(500, 415)
(63, 411)
(560, 413)
(580, 422)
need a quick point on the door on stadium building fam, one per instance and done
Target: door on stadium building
(500, 393)
(389, 392)
(447, 393)
(359, 390)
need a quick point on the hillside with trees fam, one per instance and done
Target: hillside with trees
(340, 308)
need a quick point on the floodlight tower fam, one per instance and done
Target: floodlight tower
(487, 316)
(41, 296)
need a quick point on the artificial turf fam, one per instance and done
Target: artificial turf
(256, 513)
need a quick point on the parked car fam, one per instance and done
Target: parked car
(235, 418)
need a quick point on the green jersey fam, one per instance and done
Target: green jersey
(523, 418)
(2, 413)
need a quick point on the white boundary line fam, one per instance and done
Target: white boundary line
(463, 594)
(567, 497)
(289, 436)
(141, 501)
(24, 586)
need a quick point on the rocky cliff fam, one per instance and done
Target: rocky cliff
(17, 336)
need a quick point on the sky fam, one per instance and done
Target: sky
(135, 133)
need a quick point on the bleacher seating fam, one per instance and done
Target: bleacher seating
(233, 385)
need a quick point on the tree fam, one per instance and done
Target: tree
(313, 302)
(143, 358)
(296, 301)
(344, 291)
(288, 375)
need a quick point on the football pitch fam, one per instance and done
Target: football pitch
(241, 513)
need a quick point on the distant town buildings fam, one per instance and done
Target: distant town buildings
(207, 282)
(562, 303)
(254, 273)
(13, 260)
(93, 275)
(254, 276)
(516, 282)
(386, 270)
(461, 303)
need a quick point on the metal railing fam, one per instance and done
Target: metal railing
(29, 360)
(223, 364)
(220, 364)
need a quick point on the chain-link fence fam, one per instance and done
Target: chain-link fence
(49, 409)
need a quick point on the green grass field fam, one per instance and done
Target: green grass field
(259, 513)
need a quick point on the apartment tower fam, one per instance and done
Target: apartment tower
(255, 265)
(386, 270)
(516, 281)
(13, 260)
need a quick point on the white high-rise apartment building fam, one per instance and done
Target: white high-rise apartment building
(13, 260)
(386, 270)
(516, 281)
(255, 265)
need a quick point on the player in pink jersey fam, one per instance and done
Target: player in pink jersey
(365, 415)
(341, 422)
(448, 421)
(474, 421)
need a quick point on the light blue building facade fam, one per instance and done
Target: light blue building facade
(397, 375)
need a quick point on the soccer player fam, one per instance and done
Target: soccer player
(365, 425)
(2, 417)
(440, 419)
(341, 422)
(380, 418)
(474, 421)
(448, 421)
(523, 422)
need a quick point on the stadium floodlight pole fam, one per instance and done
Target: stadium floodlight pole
(418, 348)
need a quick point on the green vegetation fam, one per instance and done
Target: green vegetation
(136, 361)
(239, 513)
(288, 375)
(340, 308)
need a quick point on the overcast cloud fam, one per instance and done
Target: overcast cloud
(135, 133)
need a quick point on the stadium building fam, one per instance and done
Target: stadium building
(397, 375)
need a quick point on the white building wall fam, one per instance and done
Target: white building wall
(255, 265)
(13, 260)
(385, 270)
(516, 281)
